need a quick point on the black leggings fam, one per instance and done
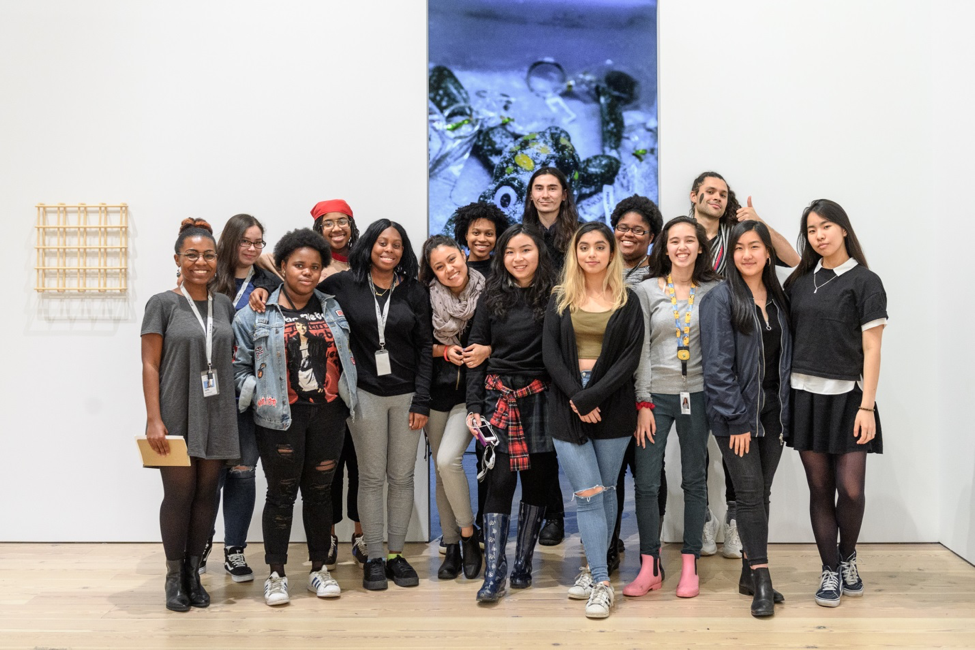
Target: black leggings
(535, 482)
(351, 462)
(836, 500)
(189, 506)
(629, 460)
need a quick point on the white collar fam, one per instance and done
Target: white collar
(839, 270)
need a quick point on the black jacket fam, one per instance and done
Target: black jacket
(611, 386)
(734, 367)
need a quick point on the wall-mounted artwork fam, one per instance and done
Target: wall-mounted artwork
(82, 248)
(515, 85)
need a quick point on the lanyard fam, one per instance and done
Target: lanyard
(382, 314)
(243, 287)
(208, 326)
(683, 333)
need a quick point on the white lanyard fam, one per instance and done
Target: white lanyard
(382, 314)
(243, 287)
(208, 326)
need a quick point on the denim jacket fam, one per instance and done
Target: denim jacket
(260, 370)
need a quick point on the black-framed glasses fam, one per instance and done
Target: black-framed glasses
(341, 223)
(246, 243)
(193, 256)
(637, 232)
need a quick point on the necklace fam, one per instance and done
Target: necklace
(820, 286)
(379, 294)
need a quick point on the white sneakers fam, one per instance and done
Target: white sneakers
(276, 590)
(731, 548)
(600, 601)
(582, 588)
(708, 545)
(323, 584)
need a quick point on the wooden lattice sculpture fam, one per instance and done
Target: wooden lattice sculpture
(82, 248)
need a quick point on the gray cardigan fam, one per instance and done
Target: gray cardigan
(660, 369)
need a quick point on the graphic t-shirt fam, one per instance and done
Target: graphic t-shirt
(312, 360)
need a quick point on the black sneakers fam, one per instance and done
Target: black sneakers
(401, 573)
(235, 564)
(374, 575)
(852, 584)
(828, 594)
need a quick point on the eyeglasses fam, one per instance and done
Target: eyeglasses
(193, 256)
(341, 223)
(246, 243)
(637, 232)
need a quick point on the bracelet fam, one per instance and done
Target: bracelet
(644, 405)
(864, 408)
(446, 349)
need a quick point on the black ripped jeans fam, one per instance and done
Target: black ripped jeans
(302, 457)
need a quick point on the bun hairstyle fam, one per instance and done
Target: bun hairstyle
(194, 228)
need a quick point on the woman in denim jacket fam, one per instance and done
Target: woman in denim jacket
(294, 365)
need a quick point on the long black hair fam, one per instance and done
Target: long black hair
(501, 290)
(660, 262)
(730, 216)
(360, 257)
(832, 212)
(742, 301)
(228, 251)
(568, 219)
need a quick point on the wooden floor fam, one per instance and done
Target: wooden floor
(110, 596)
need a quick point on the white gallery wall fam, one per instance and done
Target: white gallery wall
(210, 109)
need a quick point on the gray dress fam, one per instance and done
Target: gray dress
(209, 424)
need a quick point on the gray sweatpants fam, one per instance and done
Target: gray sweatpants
(449, 439)
(386, 448)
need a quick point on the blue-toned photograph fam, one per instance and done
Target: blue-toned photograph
(517, 85)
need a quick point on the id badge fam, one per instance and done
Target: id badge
(209, 380)
(382, 363)
(685, 403)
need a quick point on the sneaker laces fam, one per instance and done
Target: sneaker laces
(236, 560)
(733, 538)
(323, 575)
(600, 596)
(276, 584)
(849, 569)
(360, 543)
(584, 579)
(830, 581)
(709, 530)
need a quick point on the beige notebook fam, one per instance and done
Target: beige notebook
(178, 454)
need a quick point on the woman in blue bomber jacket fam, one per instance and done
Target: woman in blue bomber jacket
(294, 365)
(747, 361)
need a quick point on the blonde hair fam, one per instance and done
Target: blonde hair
(571, 291)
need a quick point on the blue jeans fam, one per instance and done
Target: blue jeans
(238, 485)
(595, 463)
(692, 432)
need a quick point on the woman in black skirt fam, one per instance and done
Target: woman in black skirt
(839, 310)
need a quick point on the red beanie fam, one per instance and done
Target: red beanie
(335, 205)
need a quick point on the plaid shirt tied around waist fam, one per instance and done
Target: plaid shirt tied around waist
(508, 416)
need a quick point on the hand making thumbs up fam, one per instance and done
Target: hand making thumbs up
(748, 213)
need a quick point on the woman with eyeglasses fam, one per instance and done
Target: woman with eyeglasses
(239, 247)
(509, 394)
(187, 379)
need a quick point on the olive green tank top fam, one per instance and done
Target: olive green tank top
(590, 326)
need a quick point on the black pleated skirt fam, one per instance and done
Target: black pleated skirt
(824, 423)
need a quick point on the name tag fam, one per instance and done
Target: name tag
(685, 403)
(209, 380)
(382, 363)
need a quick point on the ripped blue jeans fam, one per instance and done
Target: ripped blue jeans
(594, 464)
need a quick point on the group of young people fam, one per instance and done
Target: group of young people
(551, 343)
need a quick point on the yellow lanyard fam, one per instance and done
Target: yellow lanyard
(683, 333)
